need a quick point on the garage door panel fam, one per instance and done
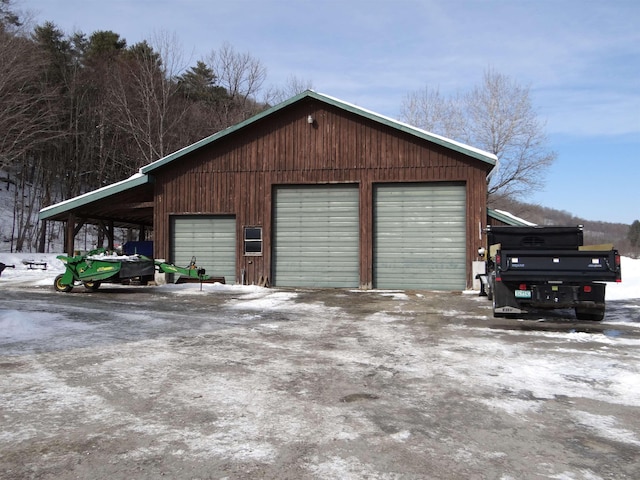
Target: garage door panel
(316, 236)
(420, 236)
(211, 239)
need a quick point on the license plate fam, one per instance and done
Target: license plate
(523, 293)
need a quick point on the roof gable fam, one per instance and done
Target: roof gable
(476, 153)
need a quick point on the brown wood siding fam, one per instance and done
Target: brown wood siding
(236, 175)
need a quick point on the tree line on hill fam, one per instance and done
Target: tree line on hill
(78, 112)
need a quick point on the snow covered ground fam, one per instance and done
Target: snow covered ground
(269, 382)
(256, 298)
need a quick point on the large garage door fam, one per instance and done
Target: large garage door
(419, 236)
(212, 240)
(315, 241)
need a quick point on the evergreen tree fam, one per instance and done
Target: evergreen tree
(199, 84)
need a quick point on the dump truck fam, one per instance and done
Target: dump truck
(547, 267)
(100, 266)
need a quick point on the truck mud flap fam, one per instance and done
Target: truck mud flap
(504, 301)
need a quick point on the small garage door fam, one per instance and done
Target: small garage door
(419, 236)
(211, 239)
(315, 241)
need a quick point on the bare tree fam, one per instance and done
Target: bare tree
(431, 111)
(496, 116)
(242, 76)
(27, 105)
(143, 91)
(29, 115)
(503, 121)
(292, 87)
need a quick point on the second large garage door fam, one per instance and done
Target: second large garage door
(315, 240)
(419, 236)
(211, 239)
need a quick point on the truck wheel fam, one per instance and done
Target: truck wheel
(91, 286)
(61, 287)
(591, 314)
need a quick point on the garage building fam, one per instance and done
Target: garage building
(314, 192)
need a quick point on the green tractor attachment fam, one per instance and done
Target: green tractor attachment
(99, 266)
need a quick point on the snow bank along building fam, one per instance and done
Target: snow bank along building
(312, 192)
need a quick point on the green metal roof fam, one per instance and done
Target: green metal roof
(508, 218)
(486, 157)
(134, 181)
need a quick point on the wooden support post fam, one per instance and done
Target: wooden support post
(110, 236)
(42, 238)
(70, 235)
(101, 233)
(106, 230)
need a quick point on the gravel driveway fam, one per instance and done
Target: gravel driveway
(247, 383)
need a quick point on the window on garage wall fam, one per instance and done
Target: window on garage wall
(253, 241)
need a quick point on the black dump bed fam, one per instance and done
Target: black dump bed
(559, 265)
(540, 254)
(536, 238)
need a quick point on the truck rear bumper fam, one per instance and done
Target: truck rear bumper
(507, 310)
(560, 296)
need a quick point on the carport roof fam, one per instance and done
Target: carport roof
(486, 157)
(128, 202)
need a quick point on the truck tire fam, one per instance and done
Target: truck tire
(61, 287)
(591, 314)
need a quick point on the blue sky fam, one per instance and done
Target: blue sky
(580, 59)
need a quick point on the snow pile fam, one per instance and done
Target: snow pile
(114, 257)
(206, 288)
(630, 285)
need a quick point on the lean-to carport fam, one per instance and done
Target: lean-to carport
(125, 204)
